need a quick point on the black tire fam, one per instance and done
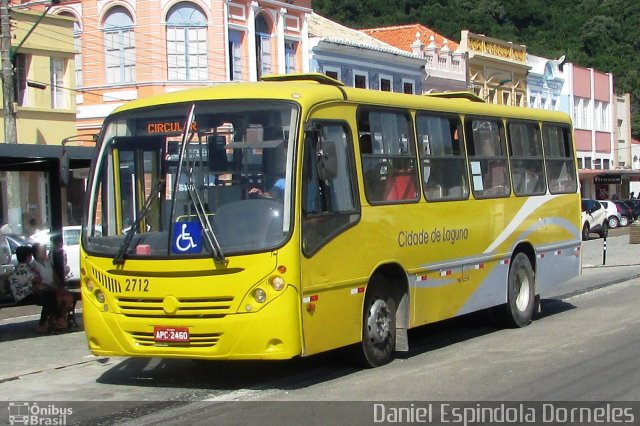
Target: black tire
(604, 232)
(613, 222)
(624, 221)
(520, 292)
(378, 324)
(585, 232)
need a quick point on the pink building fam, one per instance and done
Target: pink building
(135, 48)
(591, 101)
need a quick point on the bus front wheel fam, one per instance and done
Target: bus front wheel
(378, 324)
(520, 292)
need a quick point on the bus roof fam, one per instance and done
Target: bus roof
(314, 88)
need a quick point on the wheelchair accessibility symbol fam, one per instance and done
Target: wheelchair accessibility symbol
(187, 237)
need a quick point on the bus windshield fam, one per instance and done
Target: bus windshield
(198, 179)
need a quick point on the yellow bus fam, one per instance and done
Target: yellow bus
(295, 215)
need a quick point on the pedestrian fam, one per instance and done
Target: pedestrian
(631, 196)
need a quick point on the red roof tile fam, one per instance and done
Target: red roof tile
(402, 36)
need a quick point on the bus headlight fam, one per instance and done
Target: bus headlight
(259, 295)
(277, 283)
(90, 285)
(100, 296)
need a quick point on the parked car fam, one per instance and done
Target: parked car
(626, 213)
(15, 241)
(613, 215)
(594, 219)
(635, 206)
(71, 237)
(6, 269)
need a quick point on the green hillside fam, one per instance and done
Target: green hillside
(602, 34)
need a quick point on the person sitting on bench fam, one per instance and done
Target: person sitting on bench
(26, 292)
(46, 277)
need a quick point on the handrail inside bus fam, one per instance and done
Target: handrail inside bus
(457, 95)
(311, 76)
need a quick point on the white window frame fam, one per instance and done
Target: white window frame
(409, 81)
(187, 44)
(57, 78)
(385, 77)
(328, 68)
(361, 73)
(578, 112)
(235, 56)
(290, 58)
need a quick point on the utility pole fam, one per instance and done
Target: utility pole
(8, 93)
(13, 203)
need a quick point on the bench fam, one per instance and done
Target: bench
(7, 301)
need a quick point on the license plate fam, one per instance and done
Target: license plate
(171, 334)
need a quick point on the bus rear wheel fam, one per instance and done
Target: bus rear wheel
(520, 292)
(378, 324)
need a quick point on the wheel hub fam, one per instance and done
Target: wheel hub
(522, 292)
(378, 322)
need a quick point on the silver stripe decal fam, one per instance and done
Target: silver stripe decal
(527, 208)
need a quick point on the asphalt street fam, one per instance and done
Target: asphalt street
(23, 353)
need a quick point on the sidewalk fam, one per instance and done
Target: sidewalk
(69, 348)
(24, 352)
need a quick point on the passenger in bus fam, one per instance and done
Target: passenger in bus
(276, 192)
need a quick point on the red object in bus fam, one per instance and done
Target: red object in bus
(400, 187)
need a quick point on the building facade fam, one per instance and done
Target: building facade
(445, 65)
(44, 111)
(359, 60)
(545, 81)
(497, 69)
(134, 48)
(590, 97)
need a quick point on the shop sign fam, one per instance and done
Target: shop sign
(607, 180)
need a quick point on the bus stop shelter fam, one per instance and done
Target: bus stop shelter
(53, 159)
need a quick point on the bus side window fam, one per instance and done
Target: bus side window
(527, 165)
(559, 159)
(487, 158)
(329, 206)
(444, 175)
(387, 151)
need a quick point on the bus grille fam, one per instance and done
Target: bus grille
(203, 340)
(107, 282)
(192, 307)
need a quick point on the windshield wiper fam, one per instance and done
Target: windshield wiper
(216, 250)
(140, 216)
(210, 236)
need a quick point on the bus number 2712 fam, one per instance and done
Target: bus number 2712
(136, 284)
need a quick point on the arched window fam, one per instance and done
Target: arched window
(186, 43)
(263, 46)
(77, 45)
(120, 57)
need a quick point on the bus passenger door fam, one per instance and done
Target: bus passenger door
(331, 315)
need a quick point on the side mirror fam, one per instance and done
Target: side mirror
(327, 160)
